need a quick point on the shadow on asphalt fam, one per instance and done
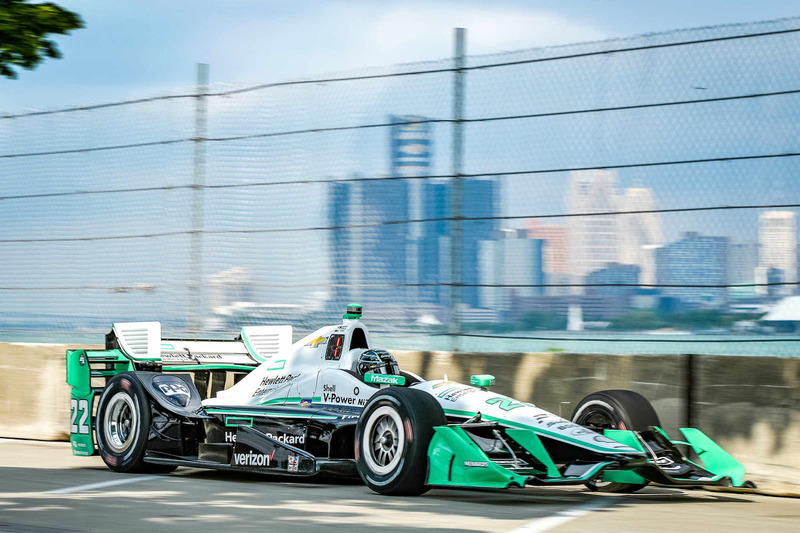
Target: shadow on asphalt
(207, 500)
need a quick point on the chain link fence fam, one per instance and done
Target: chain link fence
(623, 196)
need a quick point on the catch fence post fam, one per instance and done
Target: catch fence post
(199, 174)
(457, 191)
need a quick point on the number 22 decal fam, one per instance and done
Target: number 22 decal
(76, 407)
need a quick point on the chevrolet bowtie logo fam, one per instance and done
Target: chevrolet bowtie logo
(316, 342)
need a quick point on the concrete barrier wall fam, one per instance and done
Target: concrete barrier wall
(34, 395)
(750, 405)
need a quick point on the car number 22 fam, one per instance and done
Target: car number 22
(79, 408)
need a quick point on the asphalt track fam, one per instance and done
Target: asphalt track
(44, 489)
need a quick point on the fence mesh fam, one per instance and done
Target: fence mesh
(610, 189)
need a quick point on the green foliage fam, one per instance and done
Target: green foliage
(543, 321)
(23, 31)
(702, 319)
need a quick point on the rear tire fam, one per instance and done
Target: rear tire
(123, 426)
(615, 409)
(392, 438)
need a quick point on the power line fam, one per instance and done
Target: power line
(110, 288)
(317, 81)
(147, 287)
(97, 148)
(396, 222)
(611, 339)
(632, 49)
(422, 121)
(424, 177)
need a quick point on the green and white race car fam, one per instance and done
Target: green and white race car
(331, 403)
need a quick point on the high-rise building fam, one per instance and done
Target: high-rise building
(592, 241)
(480, 197)
(340, 213)
(433, 246)
(777, 245)
(616, 280)
(742, 262)
(510, 259)
(640, 232)
(555, 245)
(694, 260)
(481, 200)
(595, 241)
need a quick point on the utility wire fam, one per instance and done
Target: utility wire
(396, 222)
(316, 81)
(148, 287)
(390, 124)
(356, 179)
(611, 339)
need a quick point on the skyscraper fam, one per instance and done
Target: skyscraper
(433, 247)
(511, 258)
(340, 213)
(694, 260)
(592, 241)
(777, 245)
(555, 245)
(480, 197)
(640, 232)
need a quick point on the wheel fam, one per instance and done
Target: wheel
(123, 426)
(615, 409)
(392, 438)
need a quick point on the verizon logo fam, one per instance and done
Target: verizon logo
(252, 459)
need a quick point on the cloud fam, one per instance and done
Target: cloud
(345, 35)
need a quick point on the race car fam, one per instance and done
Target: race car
(332, 403)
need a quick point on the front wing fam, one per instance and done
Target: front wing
(485, 454)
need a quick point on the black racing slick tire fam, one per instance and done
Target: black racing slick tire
(392, 438)
(615, 409)
(123, 426)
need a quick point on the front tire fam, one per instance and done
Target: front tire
(392, 438)
(615, 409)
(123, 426)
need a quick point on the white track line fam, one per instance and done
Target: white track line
(562, 517)
(101, 485)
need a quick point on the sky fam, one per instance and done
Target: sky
(150, 47)
(147, 48)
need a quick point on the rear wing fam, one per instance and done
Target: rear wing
(134, 346)
(141, 342)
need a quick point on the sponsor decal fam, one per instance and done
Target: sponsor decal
(665, 463)
(82, 359)
(293, 463)
(305, 402)
(332, 397)
(173, 389)
(189, 357)
(384, 379)
(329, 388)
(476, 464)
(285, 438)
(316, 342)
(252, 459)
(455, 393)
(272, 382)
(507, 404)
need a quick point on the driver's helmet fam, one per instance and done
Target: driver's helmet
(377, 362)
